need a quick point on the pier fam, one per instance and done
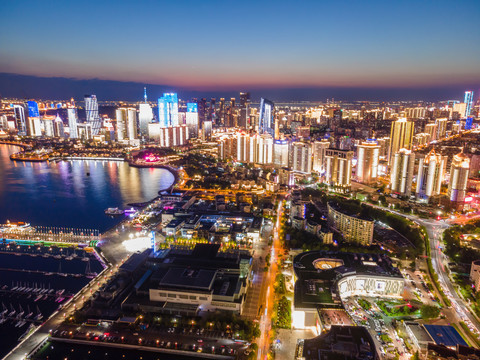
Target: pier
(49, 234)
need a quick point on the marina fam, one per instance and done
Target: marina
(35, 281)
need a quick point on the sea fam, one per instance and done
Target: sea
(73, 193)
(66, 194)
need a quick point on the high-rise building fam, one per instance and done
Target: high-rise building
(202, 111)
(339, 169)
(91, 113)
(468, 102)
(126, 124)
(457, 185)
(431, 171)
(384, 143)
(243, 120)
(431, 129)
(58, 127)
(168, 110)
(231, 113)
(401, 175)
(401, 136)
(192, 120)
(301, 157)
(319, 151)
(441, 128)
(280, 153)
(207, 130)
(33, 109)
(367, 161)
(266, 119)
(20, 120)
(145, 114)
(72, 120)
(34, 127)
(221, 112)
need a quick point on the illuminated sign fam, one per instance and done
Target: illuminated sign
(468, 199)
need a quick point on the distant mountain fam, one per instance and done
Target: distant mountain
(60, 88)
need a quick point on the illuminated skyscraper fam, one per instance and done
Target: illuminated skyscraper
(20, 120)
(457, 185)
(221, 112)
(301, 157)
(441, 128)
(145, 115)
(401, 136)
(243, 121)
(469, 103)
(72, 120)
(319, 151)
(192, 120)
(168, 110)
(126, 124)
(280, 153)
(401, 176)
(91, 113)
(266, 119)
(33, 109)
(367, 161)
(431, 129)
(431, 171)
(339, 169)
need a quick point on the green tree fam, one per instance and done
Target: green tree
(429, 311)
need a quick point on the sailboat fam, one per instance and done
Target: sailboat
(30, 313)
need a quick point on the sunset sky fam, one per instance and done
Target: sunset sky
(238, 44)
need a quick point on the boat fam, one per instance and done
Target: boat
(59, 292)
(69, 258)
(20, 323)
(38, 297)
(114, 211)
(2, 320)
(58, 256)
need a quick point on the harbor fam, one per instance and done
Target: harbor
(36, 281)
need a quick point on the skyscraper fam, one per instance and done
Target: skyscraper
(91, 113)
(431, 171)
(145, 115)
(266, 119)
(441, 128)
(469, 103)
(168, 110)
(367, 161)
(401, 176)
(243, 121)
(192, 120)
(457, 185)
(319, 151)
(126, 124)
(301, 157)
(33, 109)
(20, 120)
(339, 169)
(401, 136)
(72, 121)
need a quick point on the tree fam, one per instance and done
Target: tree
(416, 356)
(429, 311)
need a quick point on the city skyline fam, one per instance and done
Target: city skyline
(266, 46)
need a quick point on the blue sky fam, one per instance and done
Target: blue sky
(232, 44)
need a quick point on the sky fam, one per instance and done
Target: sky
(227, 45)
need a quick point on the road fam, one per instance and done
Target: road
(459, 310)
(269, 281)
